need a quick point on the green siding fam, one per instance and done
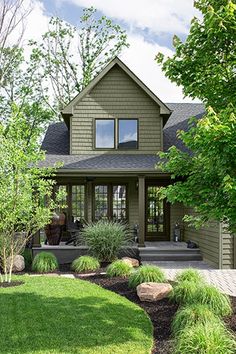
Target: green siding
(176, 215)
(227, 246)
(116, 96)
(208, 240)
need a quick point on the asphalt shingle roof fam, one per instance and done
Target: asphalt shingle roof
(56, 144)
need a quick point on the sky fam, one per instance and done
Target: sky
(150, 26)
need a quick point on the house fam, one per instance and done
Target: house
(108, 142)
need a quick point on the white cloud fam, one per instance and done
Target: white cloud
(140, 59)
(169, 16)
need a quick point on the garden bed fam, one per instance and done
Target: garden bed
(160, 312)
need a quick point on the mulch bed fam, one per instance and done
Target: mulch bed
(161, 312)
(10, 285)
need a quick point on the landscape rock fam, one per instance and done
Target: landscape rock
(18, 263)
(153, 291)
(131, 261)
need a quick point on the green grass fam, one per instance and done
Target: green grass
(208, 338)
(184, 292)
(192, 315)
(146, 273)
(119, 269)
(85, 263)
(216, 301)
(44, 262)
(189, 275)
(57, 315)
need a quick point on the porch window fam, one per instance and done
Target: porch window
(78, 207)
(128, 134)
(64, 201)
(101, 202)
(105, 134)
(119, 203)
(110, 202)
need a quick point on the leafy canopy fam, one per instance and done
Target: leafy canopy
(204, 65)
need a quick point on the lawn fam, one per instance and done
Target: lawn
(59, 315)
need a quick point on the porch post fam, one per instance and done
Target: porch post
(141, 210)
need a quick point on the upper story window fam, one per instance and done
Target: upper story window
(128, 134)
(116, 133)
(105, 134)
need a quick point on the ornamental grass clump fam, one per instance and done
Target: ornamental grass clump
(192, 315)
(85, 263)
(106, 238)
(216, 301)
(208, 338)
(119, 268)
(185, 292)
(189, 275)
(44, 262)
(146, 273)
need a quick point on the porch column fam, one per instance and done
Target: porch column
(141, 210)
(89, 201)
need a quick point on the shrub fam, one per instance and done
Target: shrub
(44, 262)
(184, 292)
(146, 273)
(119, 269)
(207, 338)
(189, 275)
(85, 263)
(27, 254)
(216, 301)
(192, 315)
(105, 239)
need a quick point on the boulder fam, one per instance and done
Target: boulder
(131, 261)
(18, 263)
(153, 291)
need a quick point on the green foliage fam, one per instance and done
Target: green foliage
(105, 239)
(204, 65)
(185, 292)
(27, 254)
(69, 67)
(216, 301)
(44, 262)
(119, 268)
(146, 273)
(189, 275)
(85, 263)
(23, 188)
(192, 315)
(191, 292)
(208, 338)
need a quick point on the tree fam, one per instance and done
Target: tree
(204, 64)
(71, 57)
(26, 202)
(12, 16)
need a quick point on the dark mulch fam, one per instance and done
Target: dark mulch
(161, 313)
(10, 285)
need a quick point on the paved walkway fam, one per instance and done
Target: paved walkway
(225, 279)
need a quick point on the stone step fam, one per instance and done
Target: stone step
(180, 256)
(153, 250)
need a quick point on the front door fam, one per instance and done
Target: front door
(157, 215)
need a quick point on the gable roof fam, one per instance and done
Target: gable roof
(68, 110)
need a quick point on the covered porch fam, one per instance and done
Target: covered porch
(127, 197)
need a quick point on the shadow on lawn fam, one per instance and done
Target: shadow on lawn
(31, 323)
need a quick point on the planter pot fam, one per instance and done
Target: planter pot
(53, 234)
